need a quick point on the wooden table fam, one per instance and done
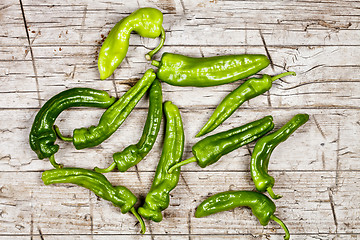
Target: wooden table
(47, 47)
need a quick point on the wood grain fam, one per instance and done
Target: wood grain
(47, 47)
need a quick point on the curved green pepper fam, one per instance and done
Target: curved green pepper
(42, 135)
(180, 70)
(262, 152)
(134, 153)
(250, 89)
(210, 149)
(158, 197)
(262, 206)
(147, 22)
(114, 116)
(96, 182)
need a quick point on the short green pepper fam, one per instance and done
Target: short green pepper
(158, 197)
(262, 206)
(179, 70)
(134, 153)
(210, 149)
(42, 135)
(114, 116)
(96, 182)
(262, 152)
(147, 22)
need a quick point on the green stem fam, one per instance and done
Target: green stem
(179, 164)
(53, 162)
(105, 170)
(155, 63)
(139, 218)
(272, 194)
(150, 54)
(287, 234)
(282, 75)
(58, 133)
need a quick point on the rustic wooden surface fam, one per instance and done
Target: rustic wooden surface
(47, 47)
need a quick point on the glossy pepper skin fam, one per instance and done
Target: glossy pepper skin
(246, 91)
(158, 197)
(134, 153)
(42, 135)
(262, 206)
(147, 22)
(179, 70)
(262, 152)
(96, 182)
(114, 116)
(210, 149)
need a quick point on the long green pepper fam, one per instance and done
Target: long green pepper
(210, 149)
(158, 198)
(262, 152)
(114, 116)
(96, 182)
(246, 91)
(262, 206)
(147, 22)
(42, 134)
(179, 70)
(134, 153)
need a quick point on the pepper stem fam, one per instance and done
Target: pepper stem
(53, 162)
(150, 54)
(139, 218)
(155, 63)
(105, 170)
(272, 194)
(282, 75)
(179, 164)
(287, 234)
(58, 133)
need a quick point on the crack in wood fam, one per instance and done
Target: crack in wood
(332, 204)
(137, 173)
(31, 53)
(266, 50)
(40, 234)
(319, 128)
(337, 158)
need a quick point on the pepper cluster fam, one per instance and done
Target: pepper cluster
(176, 70)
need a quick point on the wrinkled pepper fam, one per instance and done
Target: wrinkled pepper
(114, 116)
(158, 197)
(262, 206)
(210, 149)
(134, 153)
(179, 70)
(147, 22)
(96, 182)
(246, 91)
(262, 152)
(42, 135)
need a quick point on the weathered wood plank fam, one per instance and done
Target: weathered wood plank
(56, 207)
(294, 24)
(315, 146)
(320, 81)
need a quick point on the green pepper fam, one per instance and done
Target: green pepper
(42, 135)
(262, 206)
(134, 153)
(250, 89)
(262, 152)
(147, 22)
(120, 196)
(180, 70)
(158, 197)
(210, 149)
(114, 116)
